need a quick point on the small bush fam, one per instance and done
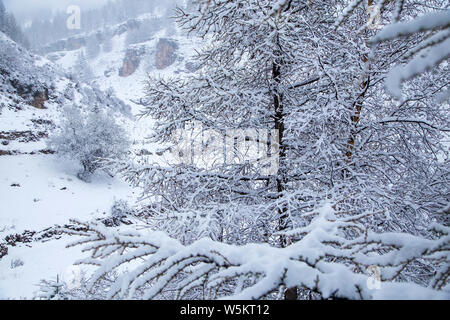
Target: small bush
(120, 210)
(88, 138)
(15, 263)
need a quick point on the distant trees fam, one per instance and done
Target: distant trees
(145, 32)
(2, 12)
(92, 47)
(82, 69)
(43, 31)
(134, 36)
(9, 26)
(107, 43)
(87, 137)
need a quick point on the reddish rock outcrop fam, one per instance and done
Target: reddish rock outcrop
(131, 61)
(39, 100)
(165, 53)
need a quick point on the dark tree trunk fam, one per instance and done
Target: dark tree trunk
(290, 293)
(355, 118)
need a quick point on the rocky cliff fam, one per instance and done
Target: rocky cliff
(165, 53)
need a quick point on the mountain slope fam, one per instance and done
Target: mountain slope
(37, 189)
(123, 67)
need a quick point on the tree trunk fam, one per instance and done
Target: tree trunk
(358, 106)
(290, 293)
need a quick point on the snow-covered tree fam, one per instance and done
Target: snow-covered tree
(82, 69)
(324, 262)
(89, 137)
(360, 182)
(107, 43)
(9, 26)
(426, 53)
(92, 47)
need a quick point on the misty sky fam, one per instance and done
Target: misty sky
(26, 9)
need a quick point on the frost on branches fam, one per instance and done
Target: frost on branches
(357, 207)
(323, 259)
(428, 52)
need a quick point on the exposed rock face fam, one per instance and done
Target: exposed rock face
(6, 153)
(131, 61)
(23, 136)
(165, 53)
(130, 64)
(39, 99)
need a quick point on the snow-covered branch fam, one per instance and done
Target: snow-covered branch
(323, 260)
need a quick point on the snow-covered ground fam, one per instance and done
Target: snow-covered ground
(41, 260)
(40, 191)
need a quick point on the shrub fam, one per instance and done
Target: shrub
(88, 138)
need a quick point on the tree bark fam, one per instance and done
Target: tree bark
(290, 293)
(358, 106)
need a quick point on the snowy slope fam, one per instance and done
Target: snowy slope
(47, 194)
(131, 89)
(37, 189)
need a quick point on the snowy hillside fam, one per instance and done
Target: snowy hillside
(39, 190)
(162, 54)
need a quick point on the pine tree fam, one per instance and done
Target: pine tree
(9, 26)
